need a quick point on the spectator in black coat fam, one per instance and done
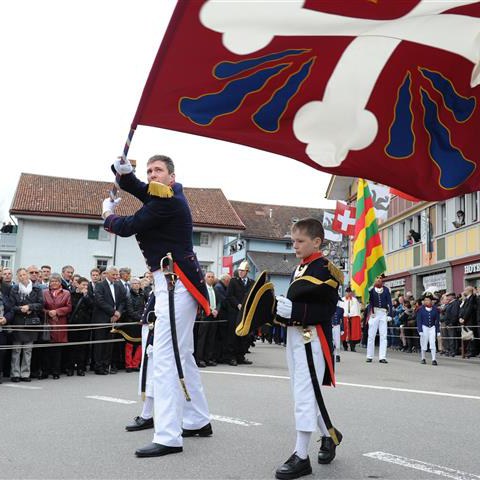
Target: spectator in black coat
(222, 329)
(468, 317)
(5, 318)
(82, 307)
(26, 301)
(450, 318)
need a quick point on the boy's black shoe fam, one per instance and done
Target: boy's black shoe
(369, 360)
(327, 448)
(383, 360)
(156, 450)
(294, 467)
(337, 358)
(434, 362)
(139, 423)
(205, 431)
(423, 362)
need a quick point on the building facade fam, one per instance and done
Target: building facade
(63, 225)
(446, 254)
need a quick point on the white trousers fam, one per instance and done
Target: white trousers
(428, 337)
(377, 322)
(149, 382)
(336, 339)
(172, 411)
(307, 414)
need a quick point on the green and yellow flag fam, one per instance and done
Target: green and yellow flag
(368, 258)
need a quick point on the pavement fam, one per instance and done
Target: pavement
(402, 420)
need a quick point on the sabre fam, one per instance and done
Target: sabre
(171, 278)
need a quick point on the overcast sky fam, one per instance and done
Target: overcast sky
(72, 75)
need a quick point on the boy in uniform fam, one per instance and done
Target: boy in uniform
(428, 327)
(307, 311)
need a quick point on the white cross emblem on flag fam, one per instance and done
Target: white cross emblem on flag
(344, 220)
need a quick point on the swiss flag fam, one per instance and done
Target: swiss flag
(344, 220)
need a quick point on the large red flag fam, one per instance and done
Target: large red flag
(381, 90)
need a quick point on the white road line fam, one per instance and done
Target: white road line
(409, 390)
(111, 399)
(423, 466)
(25, 387)
(358, 385)
(236, 421)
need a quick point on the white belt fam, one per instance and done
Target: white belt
(380, 309)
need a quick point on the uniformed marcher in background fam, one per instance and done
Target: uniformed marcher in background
(380, 313)
(428, 326)
(237, 292)
(164, 225)
(307, 311)
(145, 380)
(337, 330)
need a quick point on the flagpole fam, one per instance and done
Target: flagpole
(123, 160)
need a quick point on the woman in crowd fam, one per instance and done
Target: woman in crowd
(58, 305)
(26, 301)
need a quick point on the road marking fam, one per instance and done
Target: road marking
(409, 390)
(423, 466)
(236, 421)
(111, 399)
(25, 387)
(358, 385)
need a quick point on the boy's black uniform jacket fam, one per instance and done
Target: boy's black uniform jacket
(314, 296)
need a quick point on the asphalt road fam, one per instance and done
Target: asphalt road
(400, 421)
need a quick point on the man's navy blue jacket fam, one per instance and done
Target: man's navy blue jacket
(162, 225)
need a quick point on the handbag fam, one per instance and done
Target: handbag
(467, 334)
(32, 321)
(45, 334)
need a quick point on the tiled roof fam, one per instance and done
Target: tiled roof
(271, 222)
(274, 263)
(68, 197)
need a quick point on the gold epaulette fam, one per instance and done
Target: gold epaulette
(335, 272)
(158, 189)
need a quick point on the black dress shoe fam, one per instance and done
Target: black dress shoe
(101, 372)
(244, 361)
(201, 364)
(80, 373)
(211, 363)
(43, 376)
(156, 450)
(15, 379)
(70, 373)
(369, 360)
(434, 362)
(337, 358)
(423, 362)
(113, 371)
(139, 423)
(26, 379)
(294, 467)
(327, 448)
(55, 376)
(129, 370)
(233, 363)
(383, 360)
(205, 431)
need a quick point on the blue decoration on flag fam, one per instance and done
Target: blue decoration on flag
(268, 116)
(454, 167)
(230, 69)
(402, 139)
(206, 108)
(461, 107)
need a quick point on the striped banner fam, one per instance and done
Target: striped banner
(368, 258)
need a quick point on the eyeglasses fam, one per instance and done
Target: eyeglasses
(33, 271)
